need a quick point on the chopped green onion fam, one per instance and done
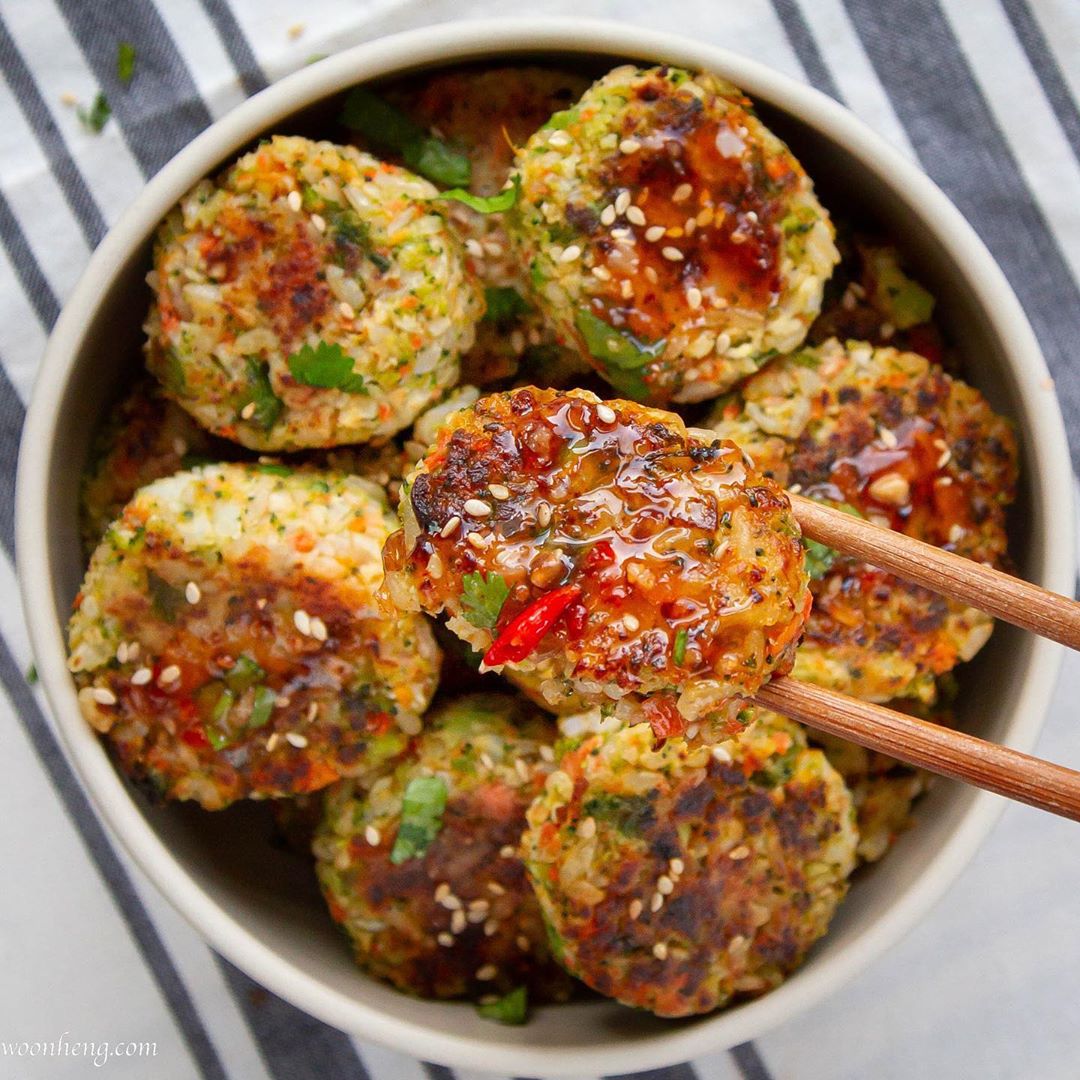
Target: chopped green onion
(486, 204)
(223, 705)
(97, 115)
(125, 61)
(421, 818)
(274, 468)
(244, 673)
(262, 707)
(679, 651)
(511, 1008)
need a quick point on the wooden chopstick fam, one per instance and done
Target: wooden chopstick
(1010, 598)
(942, 750)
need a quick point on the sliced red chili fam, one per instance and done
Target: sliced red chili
(526, 630)
(664, 716)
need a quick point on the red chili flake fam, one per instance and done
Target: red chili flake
(526, 630)
(575, 618)
(664, 716)
(196, 737)
(601, 554)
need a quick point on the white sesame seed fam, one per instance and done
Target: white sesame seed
(946, 457)
(737, 854)
(693, 298)
(487, 972)
(654, 232)
(104, 696)
(445, 939)
(887, 436)
(657, 902)
(441, 890)
(622, 202)
(312, 711)
(723, 342)
(478, 540)
(122, 653)
(485, 760)
(629, 146)
(302, 621)
(956, 533)
(490, 927)
(495, 889)
(690, 226)
(141, 677)
(475, 915)
(450, 527)
(622, 233)
(570, 254)
(372, 836)
(677, 867)
(606, 414)
(635, 215)
(559, 138)
(721, 755)
(493, 248)
(601, 273)
(169, 675)
(672, 254)
(543, 515)
(682, 193)
(635, 908)
(458, 922)
(347, 310)
(659, 950)
(587, 828)
(473, 248)
(891, 488)
(319, 222)
(521, 768)
(480, 905)
(318, 629)
(665, 885)
(607, 215)
(191, 593)
(508, 851)
(626, 287)
(651, 274)
(887, 331)
(631, 622)
(547, 753)
(522, 942)
(294, 738)
(248, 411)
(272, 742)
(477, 508)
(295, 202)
(499, 491)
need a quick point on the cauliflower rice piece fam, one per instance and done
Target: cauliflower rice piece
(669, 234)
(228, 642)
(310, 297)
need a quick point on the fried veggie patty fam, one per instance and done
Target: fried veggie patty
(670, 235)
(310, 297)
(424, 873)
(227, 639)
(893, 438)
(602, 545)
(677, 877)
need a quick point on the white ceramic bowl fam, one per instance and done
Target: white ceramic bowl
(256, 905)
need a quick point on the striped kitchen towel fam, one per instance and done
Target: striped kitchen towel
(982, 93)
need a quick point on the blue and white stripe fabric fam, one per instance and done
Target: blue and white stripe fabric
(982, 93)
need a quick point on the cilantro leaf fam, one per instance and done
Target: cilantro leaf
(273, 468)
(511, 1008)
(97, 115)
(621, 355)
(327, 366)
(268, 405)
(125, 61)
(485, 204)
(503, 304)
(483, 598)
(421, 818)
(165, 599)
(385, 126)
(630, 814)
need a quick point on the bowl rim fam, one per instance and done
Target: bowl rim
(1048, 468)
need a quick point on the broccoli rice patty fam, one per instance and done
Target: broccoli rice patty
(676, 877)
(670, 235)
(600, 544)
(311, 297)
(228, 641)
(891, 437)
(423, 871)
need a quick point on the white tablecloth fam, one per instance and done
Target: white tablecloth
(983, 94)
